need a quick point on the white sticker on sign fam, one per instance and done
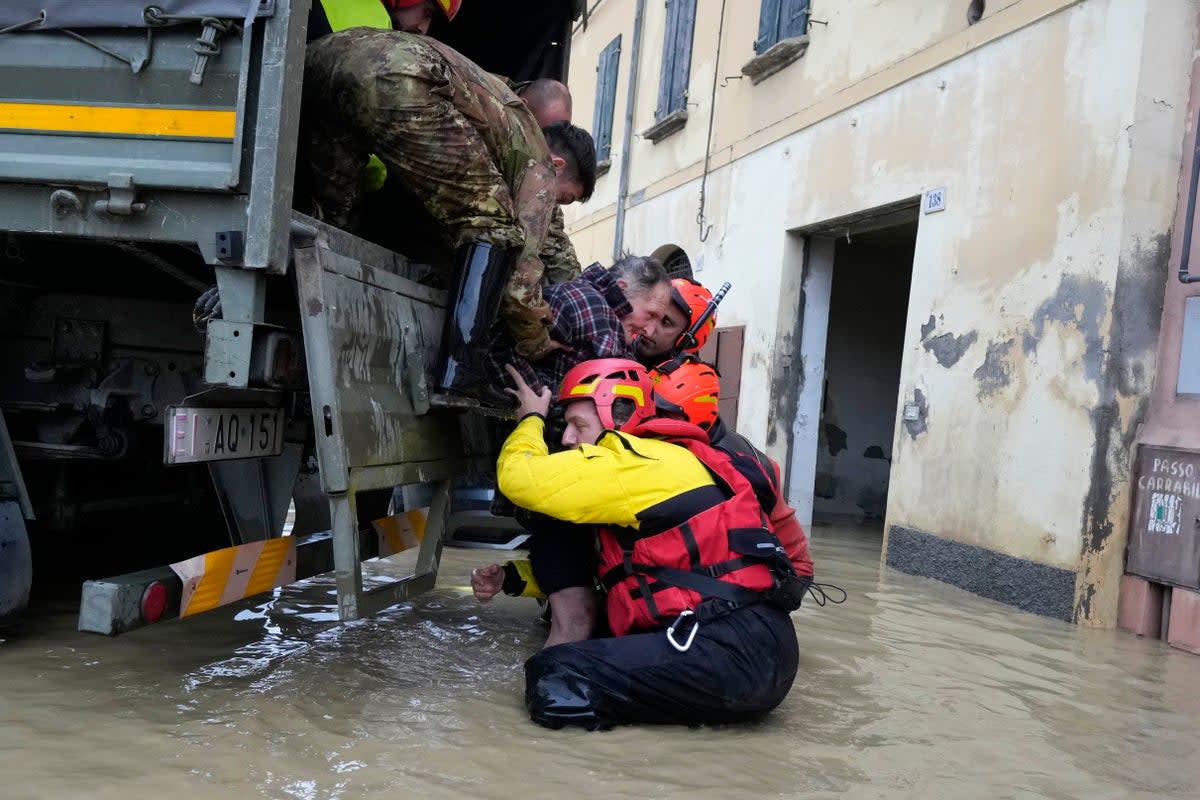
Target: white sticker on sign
(1165, 512)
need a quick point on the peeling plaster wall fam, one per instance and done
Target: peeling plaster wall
(1036, 294)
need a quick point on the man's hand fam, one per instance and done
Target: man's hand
(487, 581)
(207, 307)
(528, 401)
(551, 348)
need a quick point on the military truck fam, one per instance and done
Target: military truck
(147, 152)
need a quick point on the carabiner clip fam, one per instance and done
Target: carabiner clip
(683, 648)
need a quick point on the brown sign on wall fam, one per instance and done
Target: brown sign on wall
(724, 351)
(1164, 531)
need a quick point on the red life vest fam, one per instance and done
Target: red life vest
(763, 474)
(647, 572)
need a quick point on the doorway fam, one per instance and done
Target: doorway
(856, 291)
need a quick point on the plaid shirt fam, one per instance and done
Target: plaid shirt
(587, 318)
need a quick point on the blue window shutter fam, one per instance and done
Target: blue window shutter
(614, 62)
(677, 57)
(768, 25)
(668, 62)
(685, 27)
(795, 18)
(598, 110)
(606, 95)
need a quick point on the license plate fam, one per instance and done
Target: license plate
(223, 434)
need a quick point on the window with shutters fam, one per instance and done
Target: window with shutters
(678, 265)
(782, 37)
(780, 19)
(606, 100)
(671, 112)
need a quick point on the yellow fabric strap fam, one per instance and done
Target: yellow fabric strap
(343, 14)
(374, 175)
(529, 586)
(167, 122)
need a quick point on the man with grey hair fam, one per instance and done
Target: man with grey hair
(596, 315)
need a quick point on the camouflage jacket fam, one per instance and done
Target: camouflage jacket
(514, 143)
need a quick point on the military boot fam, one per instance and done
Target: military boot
(481, 272)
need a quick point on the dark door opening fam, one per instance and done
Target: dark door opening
(872, 275)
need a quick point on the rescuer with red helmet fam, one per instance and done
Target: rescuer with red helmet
(684, 388)
(410, 16)
(687, 388)
(698, 586)
(415, 16)
(689, 300)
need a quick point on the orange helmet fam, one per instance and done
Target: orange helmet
(448, 7)
(605, 380)
(688, 386)
(692, 299)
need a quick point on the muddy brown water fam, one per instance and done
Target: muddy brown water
(910, 689)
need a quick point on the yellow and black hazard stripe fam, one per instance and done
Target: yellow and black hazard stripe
(111, 120)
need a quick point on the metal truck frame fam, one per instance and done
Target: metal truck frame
(163, 135)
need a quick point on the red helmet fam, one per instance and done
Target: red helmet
(692, 299)
(688, 386)
(448, 7)
(605, 380)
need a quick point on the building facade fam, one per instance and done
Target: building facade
(949, 228)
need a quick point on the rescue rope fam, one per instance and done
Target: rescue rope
(817, 592)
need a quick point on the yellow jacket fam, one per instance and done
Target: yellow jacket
(620, 480)
(343, 14)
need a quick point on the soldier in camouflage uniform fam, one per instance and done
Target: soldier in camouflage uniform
(548, 99)
(472, 151)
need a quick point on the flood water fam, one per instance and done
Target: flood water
(910, 689)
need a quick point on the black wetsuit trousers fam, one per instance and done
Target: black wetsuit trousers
(738, 667)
